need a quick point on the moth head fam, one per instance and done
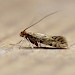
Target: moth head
(23, 33)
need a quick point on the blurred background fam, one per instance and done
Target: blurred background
(15, 16)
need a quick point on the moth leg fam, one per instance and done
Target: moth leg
(21, 43)
(17, 44)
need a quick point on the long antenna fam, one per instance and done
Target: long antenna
(41, 20)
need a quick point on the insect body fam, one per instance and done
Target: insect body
(36, 38)
(54, 41)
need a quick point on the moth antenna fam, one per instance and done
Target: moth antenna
(40, 20)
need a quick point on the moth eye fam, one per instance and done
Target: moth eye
(21, 33)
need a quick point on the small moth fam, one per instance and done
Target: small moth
(36, 38)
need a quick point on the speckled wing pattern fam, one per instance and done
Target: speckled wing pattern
(54, 41)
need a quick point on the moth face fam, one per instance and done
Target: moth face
(22, 34)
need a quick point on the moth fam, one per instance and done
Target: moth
(36, 38)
